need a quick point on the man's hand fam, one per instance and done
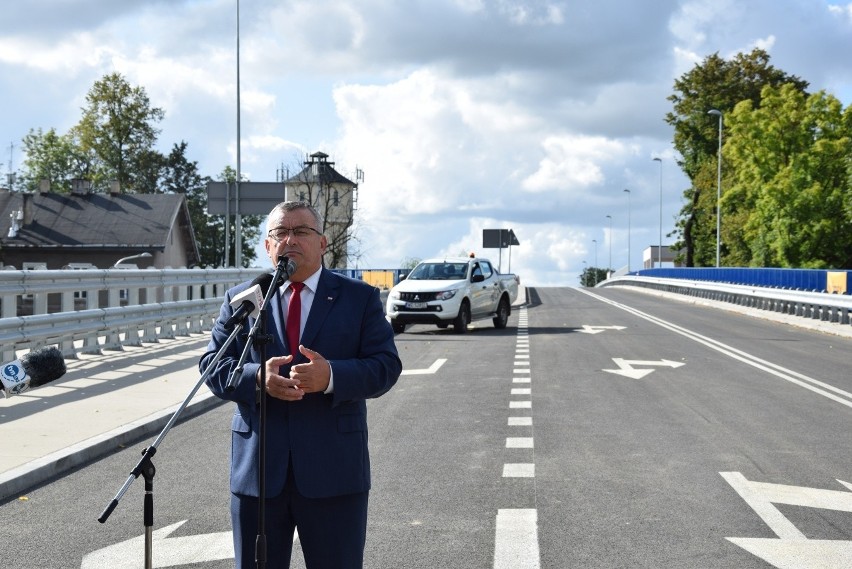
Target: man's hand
(279, 386)
(311, 377)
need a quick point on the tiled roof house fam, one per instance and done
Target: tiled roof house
(53, 231)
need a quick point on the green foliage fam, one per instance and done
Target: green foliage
(250, 226)
(181, 175)
(115, 140)
(790, 186)
(592, 276)
(51, 157)
(721, 85)
(118, 130)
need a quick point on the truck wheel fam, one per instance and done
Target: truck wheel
(503, 311)
(398, 328)
(463, 319)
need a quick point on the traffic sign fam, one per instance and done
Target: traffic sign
(256, 198)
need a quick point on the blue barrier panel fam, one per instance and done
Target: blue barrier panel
(794, 279)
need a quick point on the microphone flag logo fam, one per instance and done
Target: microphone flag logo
(14, 378)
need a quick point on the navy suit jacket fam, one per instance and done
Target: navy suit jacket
(324, 437)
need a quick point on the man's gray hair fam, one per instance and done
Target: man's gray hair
(295, 205)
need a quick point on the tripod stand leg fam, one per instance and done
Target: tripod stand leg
(148, 472)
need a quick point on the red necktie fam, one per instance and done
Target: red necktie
(294, 317)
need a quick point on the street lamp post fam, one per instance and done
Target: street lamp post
(238, 230)
(595, 280)
(609, 266)
(144, 255)
(718, 187)
(628, 230)
(660, 250)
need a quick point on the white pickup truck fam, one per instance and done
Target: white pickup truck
(453, 291)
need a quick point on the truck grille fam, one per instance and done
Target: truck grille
(417, 296)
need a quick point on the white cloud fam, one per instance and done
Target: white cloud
(531, 13)
(574, 162)
(842, 11)
(68, 57)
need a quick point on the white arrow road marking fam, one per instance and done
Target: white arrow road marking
(430, 370)
(814, 385)
(804, 554)
(625, 367)
(598, 329)
(792, 549)
(167, 552)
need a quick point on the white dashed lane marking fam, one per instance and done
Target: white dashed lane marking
(516, 530)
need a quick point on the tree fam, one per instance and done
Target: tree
(149, 168)
(592, 276)
(115, 140)
(118, 131)
(713, 84)
(790, 187)
(409, 262)
(181, 175)
(51, 157)
(249, 227)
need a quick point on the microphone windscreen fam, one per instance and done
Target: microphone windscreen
(43, 365)
(264, 281)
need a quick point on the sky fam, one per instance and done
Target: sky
(464, 115)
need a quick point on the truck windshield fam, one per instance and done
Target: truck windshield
(439, 272)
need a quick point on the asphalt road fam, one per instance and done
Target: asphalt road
(601, 429)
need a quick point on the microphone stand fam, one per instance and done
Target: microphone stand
(259, 341)
(146, 468)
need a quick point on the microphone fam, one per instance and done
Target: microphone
(34, 369)
(286, 266)
(248, 302)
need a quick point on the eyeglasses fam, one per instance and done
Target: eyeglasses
(279, 234)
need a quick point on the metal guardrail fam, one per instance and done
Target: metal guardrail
(90, 310)
(94, 309)
(806, 304)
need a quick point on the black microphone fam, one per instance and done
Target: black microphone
(286, 266)
(34, 369)
(248, 302)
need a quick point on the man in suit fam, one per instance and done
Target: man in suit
(317, 461)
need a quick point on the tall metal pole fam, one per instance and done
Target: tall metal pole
(718, 187)
(660, 250)
(628, 230)
(595, 279)
(595, 241)
(238, 233)
(609, 266)
(227, 260)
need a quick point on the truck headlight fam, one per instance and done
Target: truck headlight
(445, 295)
(394, 294)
